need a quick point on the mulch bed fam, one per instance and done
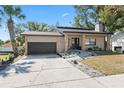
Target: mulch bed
(86, 69)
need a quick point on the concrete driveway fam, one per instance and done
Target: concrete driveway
(46, 71)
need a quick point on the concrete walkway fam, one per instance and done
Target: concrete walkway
(52, 71)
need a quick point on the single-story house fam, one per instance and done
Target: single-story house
(6, 48)
(66, 38)
(118, 42)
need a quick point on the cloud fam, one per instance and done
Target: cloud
(65, 14)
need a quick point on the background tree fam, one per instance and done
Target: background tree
(84, 16)
(1, 42)
(53, 28)
(19, 28)
(43, 27)
(9, 12)
(34, 26)
(40, 27)
(111, 16)
(7, 41)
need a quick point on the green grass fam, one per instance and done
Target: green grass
(5, 56)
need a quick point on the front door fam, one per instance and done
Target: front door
(75, 43)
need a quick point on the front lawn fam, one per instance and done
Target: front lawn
(5, 57)
(108, 64)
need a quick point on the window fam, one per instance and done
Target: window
(72, 40)
(90, 41)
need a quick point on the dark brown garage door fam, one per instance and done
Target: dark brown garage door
(41, 47)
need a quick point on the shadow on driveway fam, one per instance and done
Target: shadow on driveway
(18, 68)
(25, 64)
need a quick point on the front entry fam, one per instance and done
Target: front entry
(75, 43)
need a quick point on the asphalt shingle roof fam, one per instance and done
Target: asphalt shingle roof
(62, 30)
(42, 33)
(76, 28)
(79, 30)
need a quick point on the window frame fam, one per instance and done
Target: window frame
(90, 42)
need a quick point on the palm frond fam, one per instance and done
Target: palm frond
(8, 9)
(21, 16)
(17, 10)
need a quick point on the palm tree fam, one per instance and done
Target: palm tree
(34, 26)
(43, 27)
(9, 12)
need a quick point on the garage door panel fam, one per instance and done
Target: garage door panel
(41, 47)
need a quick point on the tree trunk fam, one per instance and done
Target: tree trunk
(10, 25)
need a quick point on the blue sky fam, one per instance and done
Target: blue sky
(50, 14)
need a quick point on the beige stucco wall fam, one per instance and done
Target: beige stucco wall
(58, 39)
(82, 36)
(63, 41)
(68, 37)
(99, 40)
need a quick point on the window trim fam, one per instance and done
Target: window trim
(89, 41)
